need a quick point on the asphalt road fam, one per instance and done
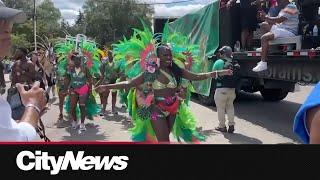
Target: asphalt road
(257, 122)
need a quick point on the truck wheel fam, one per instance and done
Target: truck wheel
(273, 94)
(208, 100)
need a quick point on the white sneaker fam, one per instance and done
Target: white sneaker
(74, 125)
(82, 127)
(261, 66)
(259, 49)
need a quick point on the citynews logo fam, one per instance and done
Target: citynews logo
(42, 161)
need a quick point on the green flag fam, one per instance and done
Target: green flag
(202, 28)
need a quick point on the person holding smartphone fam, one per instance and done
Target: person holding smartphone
(34, 100)
(249, 21)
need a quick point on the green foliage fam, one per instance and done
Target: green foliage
(108, 22)
(48, 18)
(103, 21)
(25, 5)
(20, 40)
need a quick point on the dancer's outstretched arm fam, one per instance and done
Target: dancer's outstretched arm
(122, 85)
(202, 76)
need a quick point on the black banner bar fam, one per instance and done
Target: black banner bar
(141, 161)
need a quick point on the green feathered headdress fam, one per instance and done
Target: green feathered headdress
(87, 48)
(180, 45)
(135, 50)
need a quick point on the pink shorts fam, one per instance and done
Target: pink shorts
(83, 90)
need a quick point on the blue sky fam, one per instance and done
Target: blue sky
(70, 8)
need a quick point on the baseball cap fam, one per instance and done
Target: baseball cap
(225, 49)
(15, 15)
(292, 8)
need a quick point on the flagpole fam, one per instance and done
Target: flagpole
(35, 24)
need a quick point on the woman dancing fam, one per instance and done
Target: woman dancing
(109, 74)
(61, 91)
(77, 57)
(78, 83)
(164, 102)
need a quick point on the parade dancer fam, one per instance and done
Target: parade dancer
(78, 64)
(61, 94)
(60, 78)
(109, 73)
(39, 70)
(79, 85)
(162, 105)
(47, 60)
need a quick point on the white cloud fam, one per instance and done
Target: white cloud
(68, 4)
(175, 11)
(69, 15)
(179, 9)
(70, 8)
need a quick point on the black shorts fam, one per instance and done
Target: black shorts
(249, 18)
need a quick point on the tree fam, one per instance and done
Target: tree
(20, 40)
(80, 24)
(48, 18)
(80, 18)
(25, 28)
(109, 21)
(25, 5)
(64, 24)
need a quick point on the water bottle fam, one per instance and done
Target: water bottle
(315, 31)
(237, 47)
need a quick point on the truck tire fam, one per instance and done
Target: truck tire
(208, 100)
(273, 94)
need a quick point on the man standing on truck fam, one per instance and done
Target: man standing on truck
(249, 21)
(283, 26)
(225, 89)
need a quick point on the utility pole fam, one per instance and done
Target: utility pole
(85, 28)
(35, 24)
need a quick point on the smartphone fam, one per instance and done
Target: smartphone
(15, 98)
